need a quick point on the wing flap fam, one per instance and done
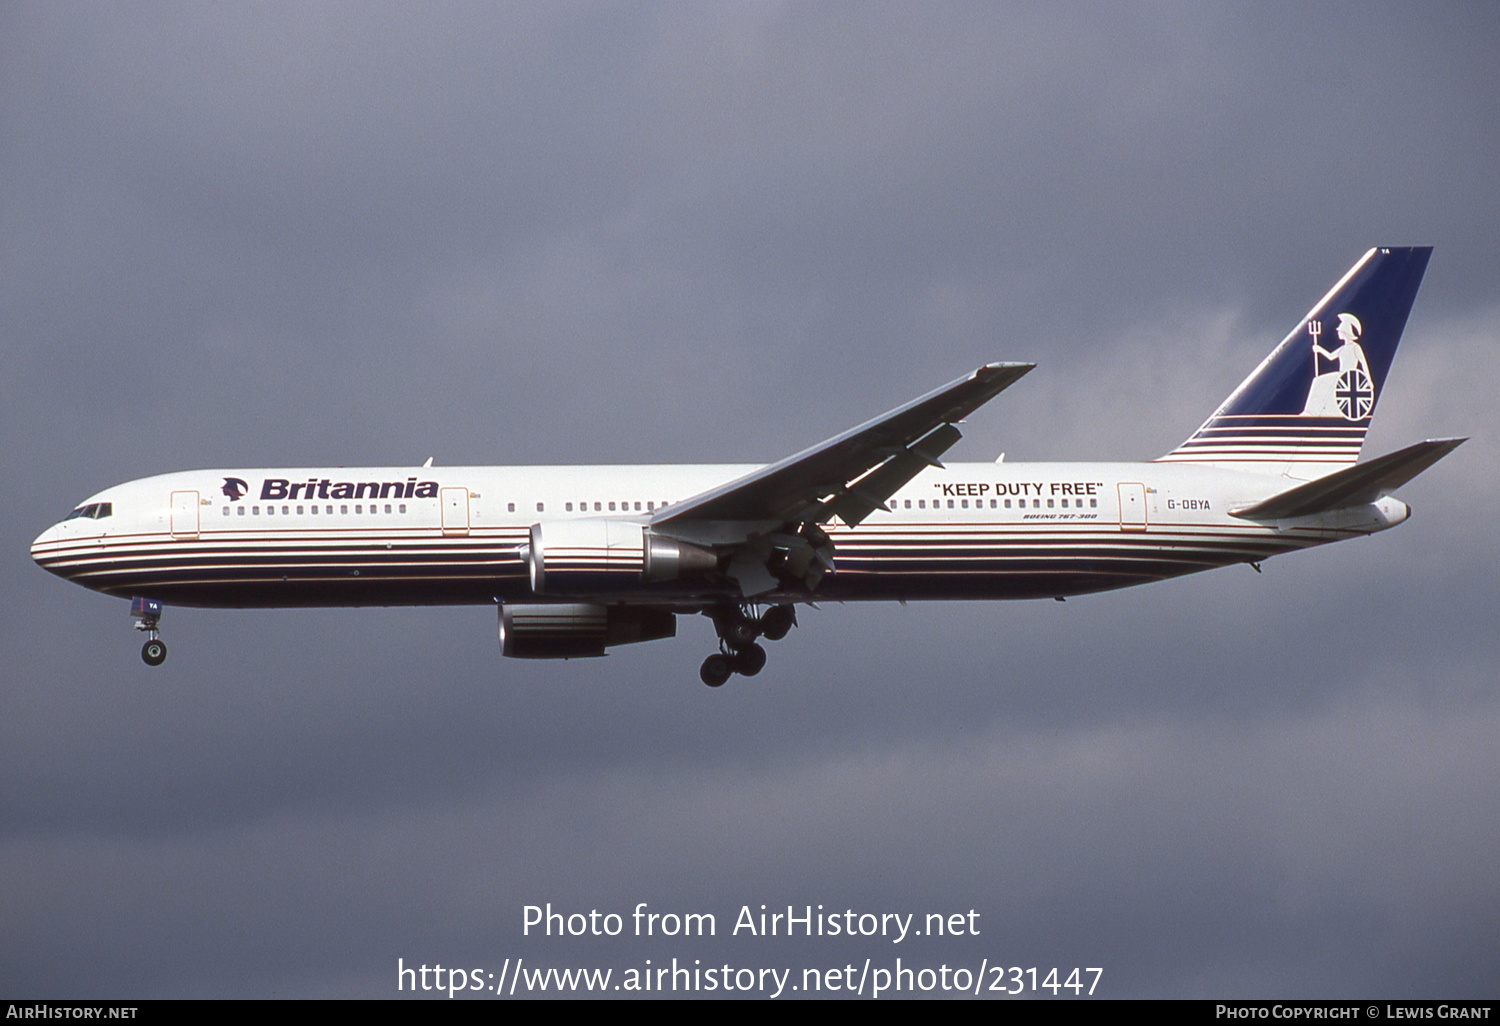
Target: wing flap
(857, 501)
(1353, 486)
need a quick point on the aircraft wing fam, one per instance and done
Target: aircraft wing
(852, 474)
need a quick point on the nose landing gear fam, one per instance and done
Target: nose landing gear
(147, 613)
(154, 652)
(738, 652)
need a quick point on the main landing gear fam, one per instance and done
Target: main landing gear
(147, 613)
(738, 652)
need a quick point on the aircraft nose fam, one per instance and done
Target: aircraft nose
(43, 544)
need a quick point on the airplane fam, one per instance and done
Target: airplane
(580, 559)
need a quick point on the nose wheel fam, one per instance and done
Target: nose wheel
(738, 652)
(147, 613)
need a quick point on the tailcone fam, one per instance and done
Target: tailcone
(1392, 511)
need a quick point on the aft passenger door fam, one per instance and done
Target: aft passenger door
(1132, 506)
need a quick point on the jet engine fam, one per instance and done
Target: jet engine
(598, 557)
(577, 631)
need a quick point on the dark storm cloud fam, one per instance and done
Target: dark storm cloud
(793, 187)
(295, 233)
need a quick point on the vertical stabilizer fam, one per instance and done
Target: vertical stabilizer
(1305, 410)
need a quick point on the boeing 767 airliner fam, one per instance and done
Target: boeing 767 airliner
(578, 559)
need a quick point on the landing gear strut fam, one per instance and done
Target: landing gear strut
(738, 653)
(147, 613)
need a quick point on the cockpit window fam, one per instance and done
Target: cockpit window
(93, 511)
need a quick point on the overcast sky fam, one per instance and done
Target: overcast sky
(302, 234)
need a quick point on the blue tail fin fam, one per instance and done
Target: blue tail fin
(1305, 410)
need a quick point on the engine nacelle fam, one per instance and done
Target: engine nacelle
(598, 557)
(668, 559)
(578, 631)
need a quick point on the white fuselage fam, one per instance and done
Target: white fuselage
(457, 535)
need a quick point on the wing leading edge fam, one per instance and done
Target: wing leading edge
(851, 474)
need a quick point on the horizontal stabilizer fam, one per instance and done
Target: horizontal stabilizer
(1353, 486)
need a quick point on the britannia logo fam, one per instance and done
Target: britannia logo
(235, 489)
(1341, 386)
